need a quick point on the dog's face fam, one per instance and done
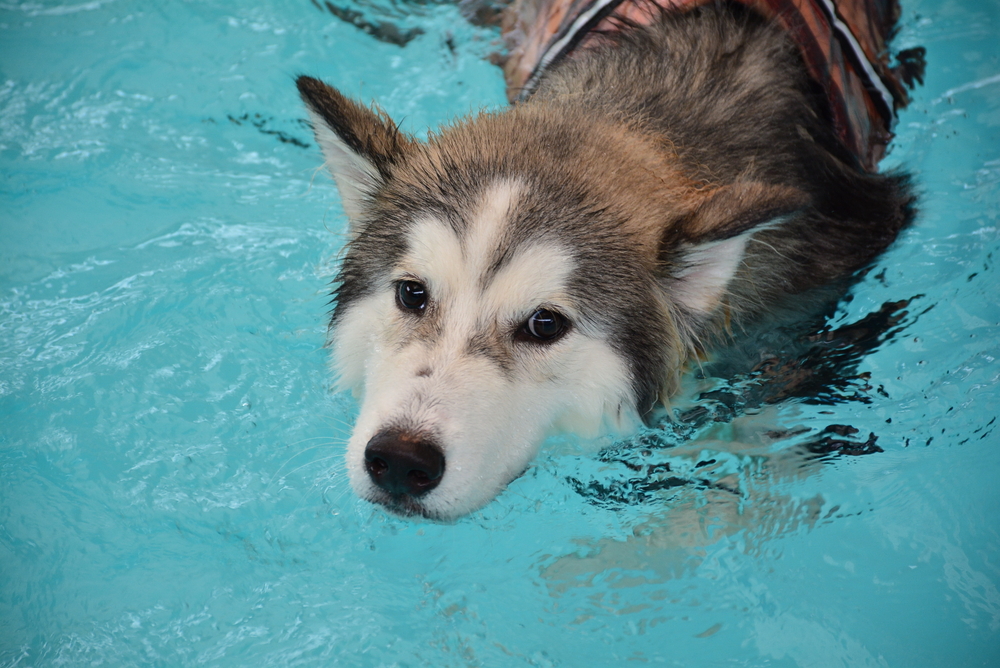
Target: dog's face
(469, 348)
(498, 286)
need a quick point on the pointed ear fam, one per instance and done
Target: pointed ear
(360, 146)
(702, 252)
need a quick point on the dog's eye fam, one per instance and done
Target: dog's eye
(411, 295)
(543, 326)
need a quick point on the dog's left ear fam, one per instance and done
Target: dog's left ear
(360, 145)
(701, 253)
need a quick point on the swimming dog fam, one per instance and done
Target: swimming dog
(553, 266)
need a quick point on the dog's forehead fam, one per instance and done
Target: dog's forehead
(488, 254)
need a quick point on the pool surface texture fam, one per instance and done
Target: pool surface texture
(171, 486)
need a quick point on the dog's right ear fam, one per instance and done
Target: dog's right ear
(701, 253)
(360, 145)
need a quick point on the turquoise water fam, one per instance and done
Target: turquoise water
(170, 484)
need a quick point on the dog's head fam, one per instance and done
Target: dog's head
(517, 274)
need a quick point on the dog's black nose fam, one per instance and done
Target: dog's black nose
(404, 463)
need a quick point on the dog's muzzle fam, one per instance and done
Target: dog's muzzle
(404, 464)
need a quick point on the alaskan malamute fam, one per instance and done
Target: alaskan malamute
(553, 267)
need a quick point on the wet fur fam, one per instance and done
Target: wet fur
(703, 193)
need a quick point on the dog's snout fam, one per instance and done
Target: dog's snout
(404, 463)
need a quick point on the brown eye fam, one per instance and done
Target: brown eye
(411, 295)
(544, 326)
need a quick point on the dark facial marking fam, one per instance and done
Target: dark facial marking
(487, 345)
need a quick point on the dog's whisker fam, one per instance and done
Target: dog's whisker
(278, 472)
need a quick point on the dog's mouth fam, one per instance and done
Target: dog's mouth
(403, 505)
(406, 505)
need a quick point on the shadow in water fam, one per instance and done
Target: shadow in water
(737, 416)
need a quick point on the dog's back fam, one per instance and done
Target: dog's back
(726, 92)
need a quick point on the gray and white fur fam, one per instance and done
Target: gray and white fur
(554, 266)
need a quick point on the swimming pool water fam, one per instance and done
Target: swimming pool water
(170, 484)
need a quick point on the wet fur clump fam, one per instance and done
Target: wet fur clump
(657, 195)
